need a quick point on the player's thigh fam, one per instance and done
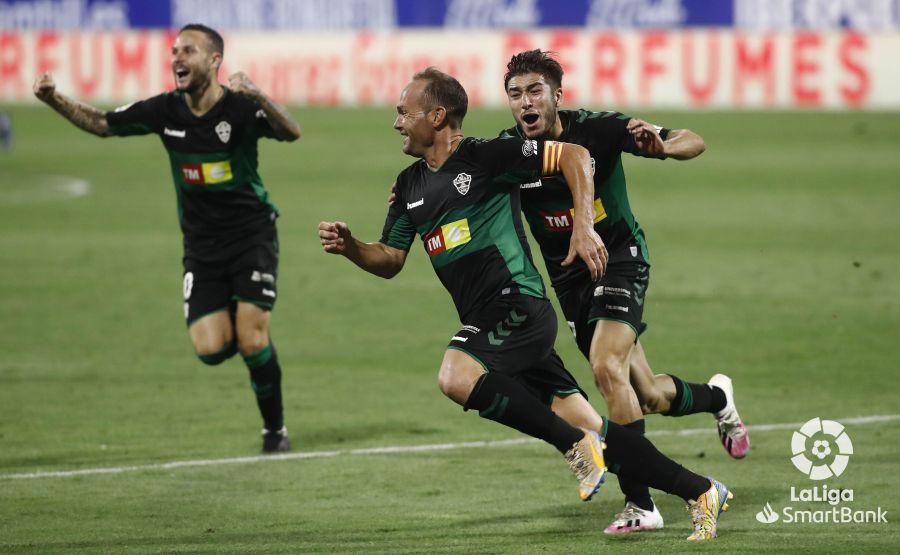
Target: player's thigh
(509, 335)
(212, 333)
(254, 275)
(458, 374)
(252, 325)
(611, 348)
(207, 306)
(254, 271)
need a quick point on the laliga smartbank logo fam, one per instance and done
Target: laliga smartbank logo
(821, 450)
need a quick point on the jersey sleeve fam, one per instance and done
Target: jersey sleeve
(399, 231)
(260, 124)
(519, 158)
(137, 118)
(616, 124)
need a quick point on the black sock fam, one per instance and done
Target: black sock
(631, 455)
(265, 379)
(636, 492)
(691, 398)
(502, 399)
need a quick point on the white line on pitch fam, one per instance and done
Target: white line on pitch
(855, 421)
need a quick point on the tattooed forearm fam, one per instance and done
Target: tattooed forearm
(280, 119)
(84, 116)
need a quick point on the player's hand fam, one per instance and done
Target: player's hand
(647, 138)
(44, 86)
(392, 197)
(334, 236)
(587, 245)
(241, 84)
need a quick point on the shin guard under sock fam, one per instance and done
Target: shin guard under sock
(502, 399)
(634, 457)
(636, 492)
(265, 379)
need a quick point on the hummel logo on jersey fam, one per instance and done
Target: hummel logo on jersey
(461, 182)
(174, 132)
(223, 130)
(447, 236)
(532, 185)
(418, 203)
(529, 148)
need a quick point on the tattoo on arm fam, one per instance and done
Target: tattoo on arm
(84, 116)
(280, 119)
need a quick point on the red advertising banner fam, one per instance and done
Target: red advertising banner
(681, 69)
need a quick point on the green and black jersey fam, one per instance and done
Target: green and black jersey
(221, 199)
(547, 202)
(467, 214)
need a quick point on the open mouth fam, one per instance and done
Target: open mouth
(181, 72)
(530, 119)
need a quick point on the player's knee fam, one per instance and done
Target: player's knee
(610, 373)
(452, 384)
(215, 354)
(252, 343)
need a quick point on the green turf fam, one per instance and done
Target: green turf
(775, 258)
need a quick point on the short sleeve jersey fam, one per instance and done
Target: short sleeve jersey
(547, 202)
(467, 214)
(213, 158)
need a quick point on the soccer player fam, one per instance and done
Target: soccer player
(462, 198)
(230, 242)
(606, 315)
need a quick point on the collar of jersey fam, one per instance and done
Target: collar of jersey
(213, 108)
(452, 154)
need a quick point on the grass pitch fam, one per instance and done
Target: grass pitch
(775, 256)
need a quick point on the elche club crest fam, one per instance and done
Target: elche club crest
(223, 130)
(462, 182)
(529, 148)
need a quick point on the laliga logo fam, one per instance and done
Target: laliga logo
(827, 437)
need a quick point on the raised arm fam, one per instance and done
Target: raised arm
(575, 165)
(84, 116)
(284, 125)
(375, 258)
(684, 144)
(680, 144)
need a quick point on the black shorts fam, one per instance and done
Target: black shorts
(514, 335)
(618, 295)
(250, 275)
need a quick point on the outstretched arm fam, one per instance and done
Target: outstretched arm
(84, 116)
(684, 144)
(284, 125)
(375, 258)
(680, 144)
(575, 163)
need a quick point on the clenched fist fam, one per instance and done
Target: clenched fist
(44, 87)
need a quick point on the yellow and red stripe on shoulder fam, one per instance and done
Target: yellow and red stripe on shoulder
(552, 153)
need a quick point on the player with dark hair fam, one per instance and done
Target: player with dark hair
(606, 315)
(462, 199)
(230, 241)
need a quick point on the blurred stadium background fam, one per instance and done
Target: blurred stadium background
(775, 256)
